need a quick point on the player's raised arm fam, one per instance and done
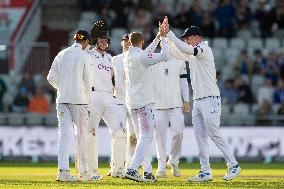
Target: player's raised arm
(182, 46)
(192, 40)
(173, 50)
(148, 58)
(176, 53)
(152, 47)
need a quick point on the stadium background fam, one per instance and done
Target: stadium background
(246, 37)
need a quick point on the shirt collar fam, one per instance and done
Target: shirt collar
(76, 45)
(203, 43)
(134, 48)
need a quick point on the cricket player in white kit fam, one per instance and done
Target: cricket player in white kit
(119, 93)
(206, 95)
(103, 105)
(70, 75)
(140, 100)
(171, 101)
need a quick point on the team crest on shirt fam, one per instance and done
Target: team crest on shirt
(61, 114)
(150, 55)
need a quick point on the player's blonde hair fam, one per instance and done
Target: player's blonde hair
(135, 38)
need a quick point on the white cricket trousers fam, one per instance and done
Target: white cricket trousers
(130, 144)
(69, 115)
(103, 105)
(143, 122)
(175, 117)
(206, 115)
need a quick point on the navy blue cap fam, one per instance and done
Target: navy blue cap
(81, 35)
(192, 30)
(125, 37)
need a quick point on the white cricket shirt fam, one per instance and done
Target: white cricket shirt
(101, 69)
(202, 66)
(166, 81)
(119, 76)
(139, 83)
(70, 75)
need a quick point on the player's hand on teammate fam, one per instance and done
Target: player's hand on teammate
(186, 107)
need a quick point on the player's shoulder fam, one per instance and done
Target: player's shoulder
(204, 46)
(92, 52)
(117, 57)
(82, 53)
(64, 52)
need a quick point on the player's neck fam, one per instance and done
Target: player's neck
(100, 51)
(138, 46)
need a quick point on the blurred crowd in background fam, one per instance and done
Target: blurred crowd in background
(222, 18)
(35, 95)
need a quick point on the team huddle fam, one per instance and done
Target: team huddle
(136, 93)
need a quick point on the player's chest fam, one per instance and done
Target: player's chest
(102, 64)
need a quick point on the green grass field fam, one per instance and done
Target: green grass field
(42, 175)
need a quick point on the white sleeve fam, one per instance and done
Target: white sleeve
(147, 58)
(182, 46)
(184, 89)
(53, 75)
(152, 47)
(176, 53)
(186, 48)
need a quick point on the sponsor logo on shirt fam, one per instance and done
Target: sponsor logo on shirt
(104, 67)
(166, 72)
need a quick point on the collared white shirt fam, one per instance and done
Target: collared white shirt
(101, 69)
(70, 75)
(119, 77)
(169, 91)
(139, 85)
(201, 63)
